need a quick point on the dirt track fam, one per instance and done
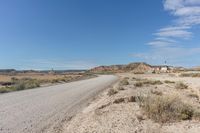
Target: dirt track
(45, 109)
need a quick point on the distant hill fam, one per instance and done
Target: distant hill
(138, 67)
(132, 67)
(197, 68)
(7, 70)
(11, 71)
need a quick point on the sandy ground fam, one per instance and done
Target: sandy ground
(46, 109)
(119, 113)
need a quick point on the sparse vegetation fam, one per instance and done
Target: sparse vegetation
(166, 108)
(112, 92)
(138, 72)
(190, 75)
(120, 88)
(147, 82)
(21, 81)
(193, 95)
(156, 92)
(120, 100)
(169, 82)
(134, 78)
(26, 83)
(196, 115)
(127, 78)
(181, 85)
(124, 82)
(138, 84)
(7, 89)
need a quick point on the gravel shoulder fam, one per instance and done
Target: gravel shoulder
(46, 109)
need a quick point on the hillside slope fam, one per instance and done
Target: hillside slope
(132, 67)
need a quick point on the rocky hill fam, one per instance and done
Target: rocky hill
(132, 67)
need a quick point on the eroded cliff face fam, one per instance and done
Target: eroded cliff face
(132, 67)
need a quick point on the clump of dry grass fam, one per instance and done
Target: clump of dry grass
(7, 89)
(125, 99)
(196, 115)
(120, 100)
(112, 92)
(181, 86)
(156, 92)
(169, 82)
(138, 72)
(124, 82)
(120, 88)
(193, 95)
(127, 78)
(134, 78)
(138, 84)
(166, 108)
(147, 82)
(156, 82)
(190, 75)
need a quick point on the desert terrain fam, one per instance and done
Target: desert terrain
(143, 103)
(133, 98)
(22, 80)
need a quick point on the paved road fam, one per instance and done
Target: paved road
(45, 109)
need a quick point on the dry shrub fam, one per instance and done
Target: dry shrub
(125, 99)
(147, 82)
(166, 108)
(156, 92)
(120, 88)
(134, 78)
(181, 86)
(138, 72)
(120, 100)
(156, 82)
(138, 84)
(169, 82)
(196, 115)
(124, 82)
(193, 95)
(127, 78)
(26, 83)
(6, 89)
(112, 92)
(190, 75)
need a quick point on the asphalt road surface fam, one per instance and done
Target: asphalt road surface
(45, 109)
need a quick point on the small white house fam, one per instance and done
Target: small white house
(164, 68)
(159, 69)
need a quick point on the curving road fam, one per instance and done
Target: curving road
(45, 109)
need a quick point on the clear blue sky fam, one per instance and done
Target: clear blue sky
(79, 34)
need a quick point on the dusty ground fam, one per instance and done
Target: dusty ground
(120, 113)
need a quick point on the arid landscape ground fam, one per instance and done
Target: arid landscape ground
(14, 81)
(140, 99)
(99, 66)
(143, 103)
